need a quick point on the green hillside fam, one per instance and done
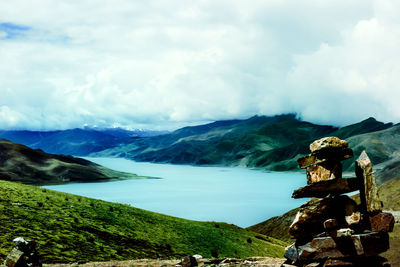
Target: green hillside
(69, 228)
(22, 164)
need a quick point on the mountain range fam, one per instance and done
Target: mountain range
(268, 142)
(78, 142)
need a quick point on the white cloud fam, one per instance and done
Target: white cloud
(356, 78)
(163, 64)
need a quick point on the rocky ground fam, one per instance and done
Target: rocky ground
(254, 261)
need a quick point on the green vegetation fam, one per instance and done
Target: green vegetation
(276, 227)
(22, 164)
(68, 228)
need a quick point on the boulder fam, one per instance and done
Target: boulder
(24, 254)
(328, 143)
(368, 189)
(382, 221)
(311, 216)
(342, 232)
(189, 261)
(323, 214)
(376, 261)
(353, 219)
(331, 224)
(360, 245)
(15, 258)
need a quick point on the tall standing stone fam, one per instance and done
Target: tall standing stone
(368, 191)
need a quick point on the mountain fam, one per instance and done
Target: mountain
(271, 143)
(78, 142)
(77, 228)
(237, 142)
(23, 164)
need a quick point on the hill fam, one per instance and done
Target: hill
(80, 228)
(77, 142)
(22, 164)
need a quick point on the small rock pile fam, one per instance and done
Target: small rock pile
(331, 229)
(23, 255)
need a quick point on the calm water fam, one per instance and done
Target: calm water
(235, 195)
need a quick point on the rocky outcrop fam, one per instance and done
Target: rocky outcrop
(23, 255)
(333, 230)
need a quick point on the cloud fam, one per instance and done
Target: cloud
(163, 64)
(356, 78)
(10, 30)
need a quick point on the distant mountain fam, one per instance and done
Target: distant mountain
(78, 142)
(21, 164)
(272, 143)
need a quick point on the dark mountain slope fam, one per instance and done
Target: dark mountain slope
(365, 126)
(255, 142)
(383, 147)
(22, 164)
(79, 142)
(271, 143)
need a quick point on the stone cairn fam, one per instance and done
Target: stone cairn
(23, 255)
(331, 229)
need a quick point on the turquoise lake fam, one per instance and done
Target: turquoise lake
(234, 195)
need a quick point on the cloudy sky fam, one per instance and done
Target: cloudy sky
(167, 63)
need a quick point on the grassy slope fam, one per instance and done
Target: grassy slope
(68, 228)
(22, 164)
(277, 227)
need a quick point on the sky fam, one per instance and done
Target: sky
(164, 64)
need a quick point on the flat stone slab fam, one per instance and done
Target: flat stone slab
(314, 159)
(327, 143)
(321, 248)
(323, 188)
(368, 261)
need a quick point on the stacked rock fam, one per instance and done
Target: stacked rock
(23, 255)
(331, 229)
